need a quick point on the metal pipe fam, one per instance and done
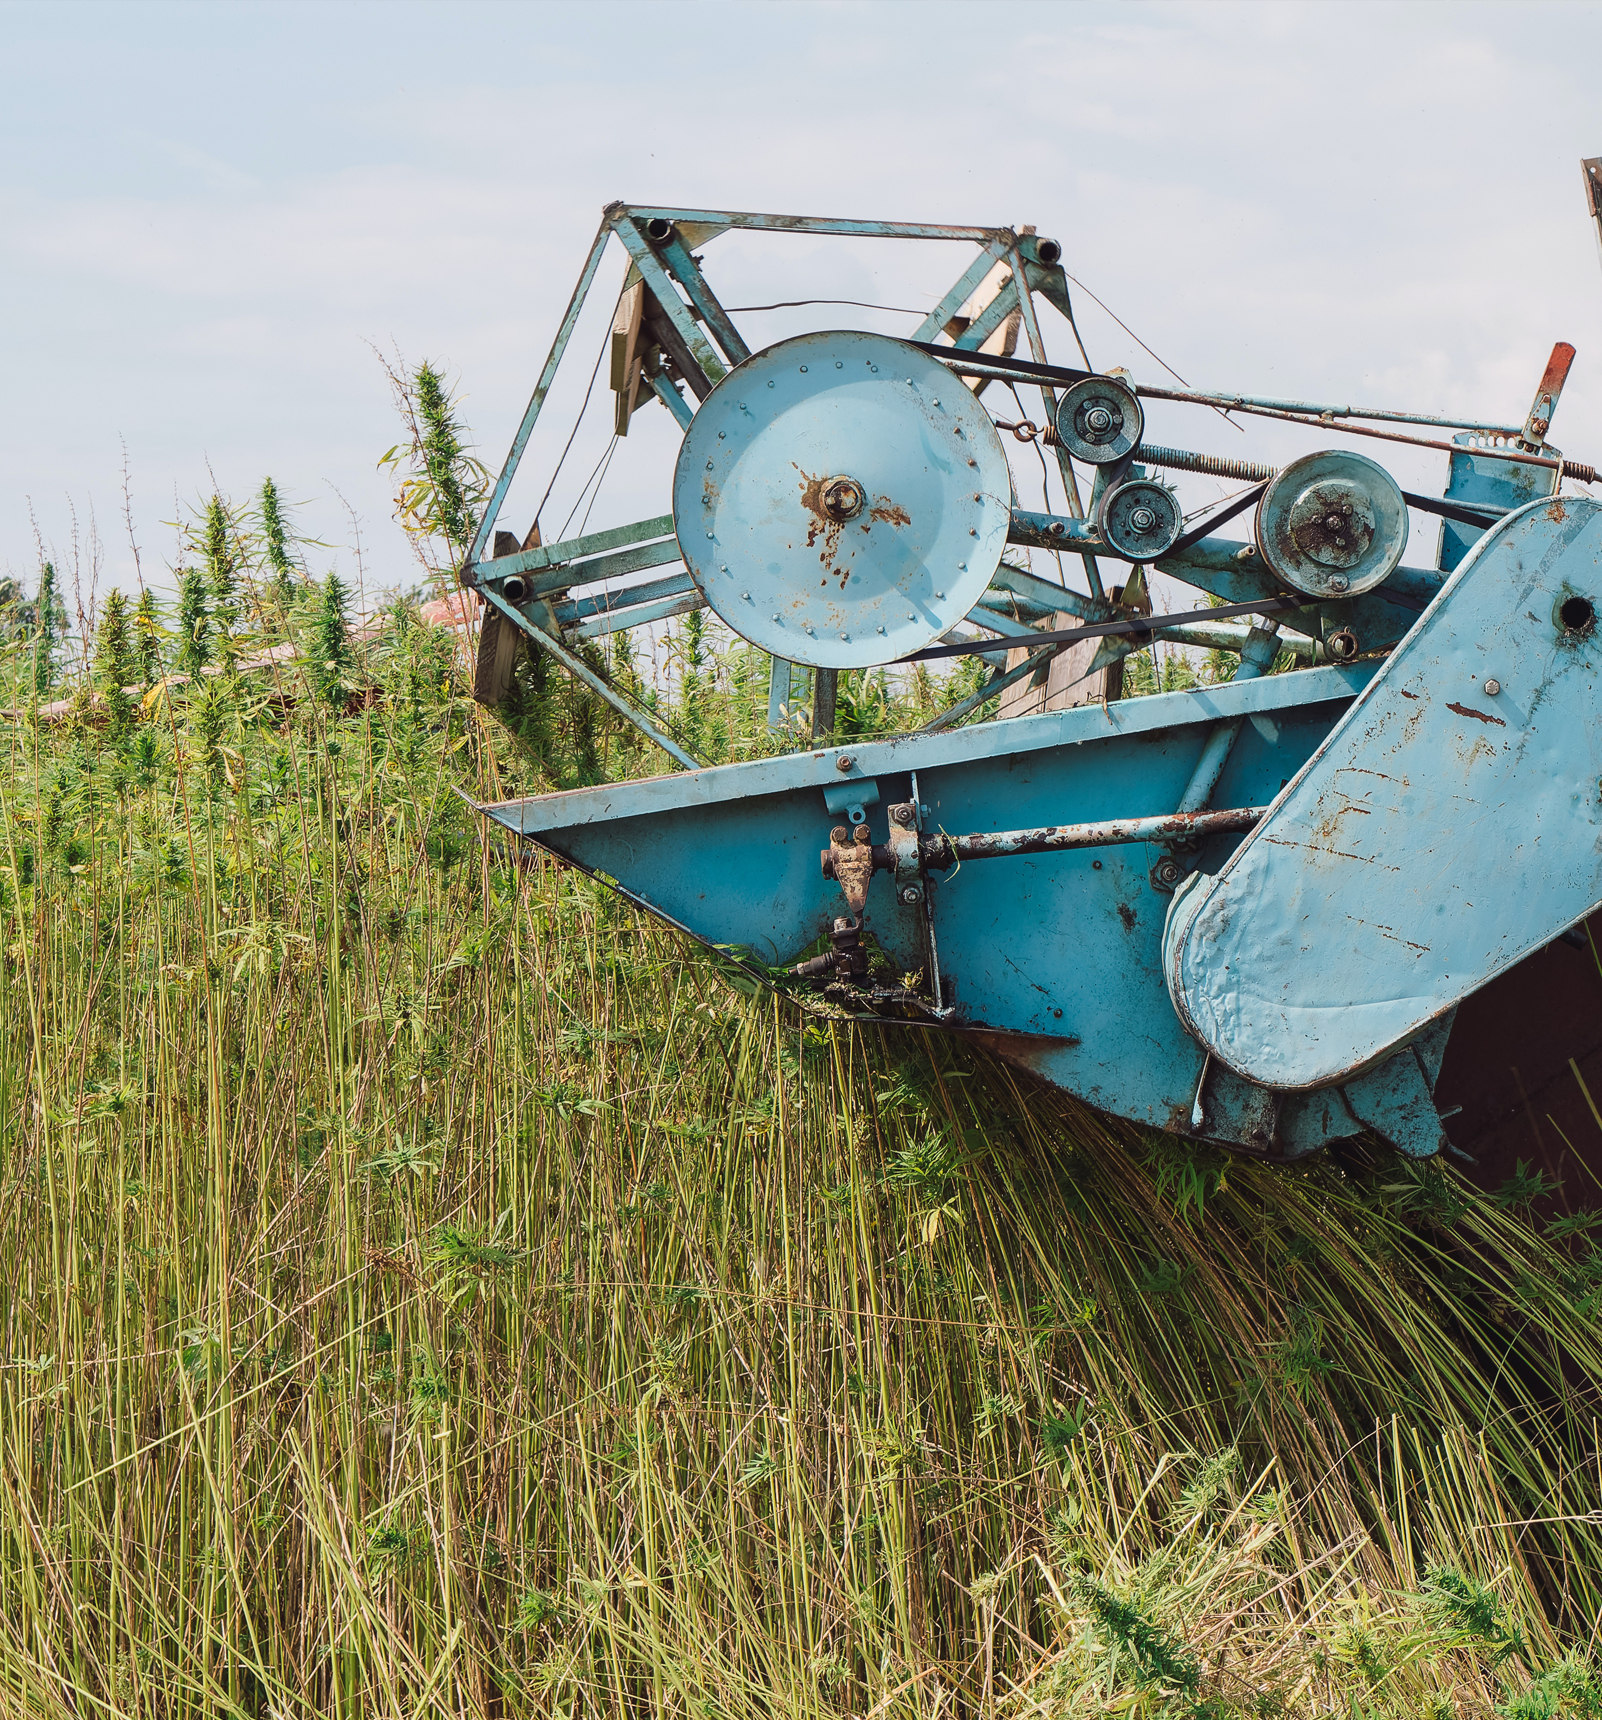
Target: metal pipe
(1109, 833)
(940, 851)
(1256, 657)
(1332, 418)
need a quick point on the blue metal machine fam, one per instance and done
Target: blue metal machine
(1246, 912)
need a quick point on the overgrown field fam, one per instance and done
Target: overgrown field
(430, 1289)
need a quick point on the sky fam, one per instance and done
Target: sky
(214, 218)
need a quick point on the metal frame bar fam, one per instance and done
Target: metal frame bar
(1048, 398)
(656, 277)
(531, 412)
(687, 272)
(581, 671)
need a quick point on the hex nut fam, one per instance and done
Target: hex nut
(911, 895)
(844, 762)
(902, 814)
(1492, 688)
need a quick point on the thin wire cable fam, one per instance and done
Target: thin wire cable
(595, 471)
(584, 524)
(1138, 342)
(606, 343)
(861, 304)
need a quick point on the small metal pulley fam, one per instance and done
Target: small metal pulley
(1099, 421)
(1139, 519)
(1332, 525)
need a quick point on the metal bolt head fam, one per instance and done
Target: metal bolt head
(911, 895)
(1142, 520)
(1338, 583)
(844, 762)
(1166, 873)
(843, 498)
(1098, 419)
(901, 814)
(1492, 688)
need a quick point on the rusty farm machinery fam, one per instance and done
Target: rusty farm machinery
(1246, 912)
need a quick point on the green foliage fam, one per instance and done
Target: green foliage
(1157, 1659)
(328, 646)
(280, 588)
(149, 638)
(48, 632)
(443, 486)
(194, 622)
(116, 661)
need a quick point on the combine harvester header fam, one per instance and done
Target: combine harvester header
(1246, 912)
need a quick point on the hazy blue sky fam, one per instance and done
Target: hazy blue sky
(209, 214)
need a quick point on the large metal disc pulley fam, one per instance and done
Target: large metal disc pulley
(841, 499)
(1332, 525)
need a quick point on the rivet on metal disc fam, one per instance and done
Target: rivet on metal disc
(711, 534)
(839, 364)
(881, 629)
(845, 635)
(939, 594)
(746, 595)
(709, 465)
(770, 385)
(722, 434)
(775, 618)
(803, 367)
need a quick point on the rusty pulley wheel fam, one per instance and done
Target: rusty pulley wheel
(1332, 524)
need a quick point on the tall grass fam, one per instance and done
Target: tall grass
(429, 1288)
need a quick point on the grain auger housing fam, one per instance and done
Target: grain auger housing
(1245, 912)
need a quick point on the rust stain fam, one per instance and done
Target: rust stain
(823, 525)
(1127, 915)
(1556, 512)
(1324, 830)
(1479, 716)
(1405, 694)
(888, 513)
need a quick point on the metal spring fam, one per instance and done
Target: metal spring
(1213, 465)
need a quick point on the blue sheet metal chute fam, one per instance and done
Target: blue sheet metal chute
(1247, 912)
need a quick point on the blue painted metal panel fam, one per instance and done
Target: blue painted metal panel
(732, 855)
(1500, 483)
(1450, 825)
